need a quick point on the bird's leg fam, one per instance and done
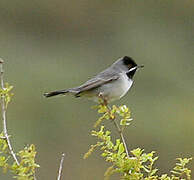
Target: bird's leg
(105, 102)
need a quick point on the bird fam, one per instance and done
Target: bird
(109, 85)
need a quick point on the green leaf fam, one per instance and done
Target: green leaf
(137, 152)
(121, 149)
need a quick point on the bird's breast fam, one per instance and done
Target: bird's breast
(116, 89)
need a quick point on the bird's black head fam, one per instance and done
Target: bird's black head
(130, 64)
(126, 64)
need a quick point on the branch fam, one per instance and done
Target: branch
(3, 107)
(61, 167)
(105, 103)
(122, 136)
(119, 131)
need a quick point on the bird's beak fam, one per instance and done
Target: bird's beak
(136, 67)
(141, 66)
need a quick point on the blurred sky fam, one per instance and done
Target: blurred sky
(49, 45)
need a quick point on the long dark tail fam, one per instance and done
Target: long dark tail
(54, 93)
(73, 91)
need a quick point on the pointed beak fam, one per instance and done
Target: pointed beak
(136, 67)
(141, 66)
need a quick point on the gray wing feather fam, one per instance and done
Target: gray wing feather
(100, 79)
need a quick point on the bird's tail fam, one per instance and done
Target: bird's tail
(62, 92)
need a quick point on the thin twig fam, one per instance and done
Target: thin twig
(61, 167)
(105, 103)
(122, 137)
(3, 107)
(119, 131)
(35, 177)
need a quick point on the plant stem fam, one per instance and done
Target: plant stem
(122, 137)
(61, 167)
(105, 103)
(3, 107)
(119, 131)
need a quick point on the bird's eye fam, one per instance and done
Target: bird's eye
(129, 66)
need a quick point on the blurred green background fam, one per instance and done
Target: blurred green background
(49, 45)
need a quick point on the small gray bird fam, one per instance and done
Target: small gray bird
(110, 84)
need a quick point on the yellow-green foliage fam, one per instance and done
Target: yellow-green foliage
(6, 92)
(26, 168)
(140, 165)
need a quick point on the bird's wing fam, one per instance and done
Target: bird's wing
(98, 80)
